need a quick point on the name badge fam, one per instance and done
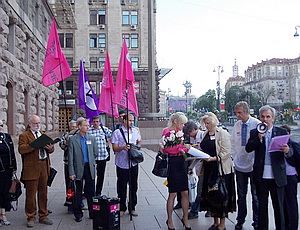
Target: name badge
(212, 138)
(88, 142)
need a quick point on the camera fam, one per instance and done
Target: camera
(262, 127)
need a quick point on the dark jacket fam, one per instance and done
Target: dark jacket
(7, 153)
(277, 158)
(294, 160)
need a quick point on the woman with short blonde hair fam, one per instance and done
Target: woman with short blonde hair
(216, 143)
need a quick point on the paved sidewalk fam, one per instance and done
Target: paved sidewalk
(152, 195)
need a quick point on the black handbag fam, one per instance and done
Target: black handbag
(160, 168)
(218, 191)
(15, 190)
(51, 176)
(71, 192)
(134, 152)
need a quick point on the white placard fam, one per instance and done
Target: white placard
(197, 153)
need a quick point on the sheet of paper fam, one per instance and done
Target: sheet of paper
(278, 141)
(197, 153)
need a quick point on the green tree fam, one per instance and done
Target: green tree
(289, 106)
(207, 101)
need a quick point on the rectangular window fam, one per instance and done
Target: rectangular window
(101, 62)
(134, 18)
(11, 38)
(134, 40)
(125, 18)
(69, 87)
(101, 16)
(70, 61)
(93, 40)
(135, 63)
(126, 36)
(102, 41)
(94, 86)
(69, 40)
(62, 40)
(93, 17)
(93, 62)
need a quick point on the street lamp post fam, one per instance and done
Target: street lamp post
(188, 86)
(220, 70)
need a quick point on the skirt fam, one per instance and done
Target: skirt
(220, 209)
(177, 179)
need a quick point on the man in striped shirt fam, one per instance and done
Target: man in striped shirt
(102, 134)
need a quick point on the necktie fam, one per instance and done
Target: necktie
(244, 134)
(41, 151)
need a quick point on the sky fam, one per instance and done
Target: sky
(196, 36)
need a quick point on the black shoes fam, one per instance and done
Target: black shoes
(239, 225)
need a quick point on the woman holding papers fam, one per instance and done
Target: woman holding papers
(216, 143)
(8, 167)
(172, 144)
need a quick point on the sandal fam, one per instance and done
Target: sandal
(4, 220)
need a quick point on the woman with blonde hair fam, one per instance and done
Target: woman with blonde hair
(216, 143)
(173, 145)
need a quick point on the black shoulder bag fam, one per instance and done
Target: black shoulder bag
(134, 152)
(218, 191)
(160, 167)
(107, 144)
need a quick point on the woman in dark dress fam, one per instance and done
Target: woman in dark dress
(216, 143)
(172, 144)
(8, 167)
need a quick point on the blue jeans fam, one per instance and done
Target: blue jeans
(242, 180)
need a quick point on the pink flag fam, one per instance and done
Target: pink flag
(56, 67)
(106, 102)
(125, 95)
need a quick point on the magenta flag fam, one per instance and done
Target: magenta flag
(124, 85)
(107, 96)
(56, 67)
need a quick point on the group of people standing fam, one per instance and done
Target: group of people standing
(86, 151)
(245, 154)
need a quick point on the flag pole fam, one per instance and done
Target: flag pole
(112, 108)
(129, 161)
(63, 90)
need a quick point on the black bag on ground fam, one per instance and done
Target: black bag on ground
(218, 191)
(51, 176)
(160, 168)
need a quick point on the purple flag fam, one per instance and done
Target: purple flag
(87, 99)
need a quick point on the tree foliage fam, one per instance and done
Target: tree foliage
(207, 101)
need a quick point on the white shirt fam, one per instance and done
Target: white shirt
(242, 160)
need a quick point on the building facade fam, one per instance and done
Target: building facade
(24, 28)
(275, 81)
(100, 27)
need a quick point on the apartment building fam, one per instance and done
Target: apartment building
(100, 26)
(276, 81)
(24, 27)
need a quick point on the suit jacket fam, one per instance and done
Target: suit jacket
(277, 158)
(30, 157)
(76, 161)
(294, 160)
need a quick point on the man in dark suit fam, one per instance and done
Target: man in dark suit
(83, 150)
(269, 172)
(35, 171)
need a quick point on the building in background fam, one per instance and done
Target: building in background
(24, 28)
(275, 81)
(101, 26)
